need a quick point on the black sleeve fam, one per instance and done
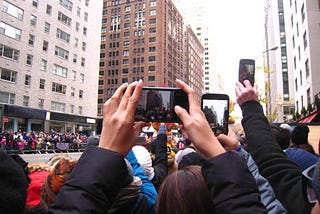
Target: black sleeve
(160, 163)
(231, 185)
(283, 174)
(93, 183)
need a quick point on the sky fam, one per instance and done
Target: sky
(236, 31)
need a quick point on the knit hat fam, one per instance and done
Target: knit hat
(144, 159)
(286, 126)
(93, 141)
(192, 158)
(162, 129)
(303, 158)
(55, 180)
(299, 134)
(13, 185)
(179, 155)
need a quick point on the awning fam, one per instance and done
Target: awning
(308, 119)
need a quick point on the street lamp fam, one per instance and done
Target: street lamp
(267, 86)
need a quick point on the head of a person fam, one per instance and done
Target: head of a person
(299, 134)
(175, 196)
(282, 136)
(144, 159)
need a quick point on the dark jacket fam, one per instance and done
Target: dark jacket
(160, 163)
(94, 183)
(283, 174)
(231, 185)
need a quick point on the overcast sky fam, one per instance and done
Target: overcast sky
(237, 31)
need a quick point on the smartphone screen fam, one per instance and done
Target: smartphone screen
(157, 104)
(246, 70)
(216, 109)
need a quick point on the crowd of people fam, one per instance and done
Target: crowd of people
(41, 142)
(261, 171)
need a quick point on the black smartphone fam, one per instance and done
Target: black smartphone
(246, 70)
(156, 104)
(216, 109)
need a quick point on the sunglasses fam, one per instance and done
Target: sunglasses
(308, 173)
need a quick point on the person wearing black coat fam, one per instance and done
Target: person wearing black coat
(283, 174)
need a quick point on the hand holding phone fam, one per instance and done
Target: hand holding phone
(216, 109)
(246, 70)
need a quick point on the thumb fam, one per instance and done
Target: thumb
(182, 114)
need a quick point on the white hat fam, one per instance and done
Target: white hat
(144, 159)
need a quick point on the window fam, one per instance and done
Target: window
(29, 59)
(78, 11)
(308, 96)
(80, 94)
(45, 45)
(46, 27)
(153, 3)
(305, 40)
(153, 12)
(152, 58)
(56, 106)
(8, 75)
(84, 46)
(126, 34)
(31, 39)
(126, 25)
(43, 65)
(27, 80)
(152, 39)
(7, 97)
(12, 10)
(127, 16)
(151, 78)
(83, 61)
(152, 21)
(63, 35)
(64, 19)
(59, 88)
(71, 109)
(125, 71)
(306, 65)
(152, 68)
(66, 4)
(75, 57)
(72, 92)
(126, 43)
(9, 53)
(41, 103)
(152, 49)
(127, 8)
(59, 70)
(35, 3)
(85, 16)
(33, 20)
(49, 9)
(10, 31)
(152, 30)
(77, 26)
(26, 100)
(103, 38)
(86, 2)
(76, 42)
(42, 83)
(81, 78)
(126, 53)
(61, 52)
(80, 110)
(125, 61)
(85, 31)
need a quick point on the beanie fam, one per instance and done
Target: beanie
(93, 141)
(13, 185)
(300, 134)
(144, 159)
(192, 158)
(162, 129)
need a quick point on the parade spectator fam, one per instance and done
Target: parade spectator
(282, 173)
(299, 138)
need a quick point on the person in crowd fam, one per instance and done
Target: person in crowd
(104, 166)
(13, 185)
(156, 169)
(299, 138)
(282, 136)
(283, 174)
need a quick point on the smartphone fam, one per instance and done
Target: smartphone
(156, 104)
(246, 70)
(216, 109)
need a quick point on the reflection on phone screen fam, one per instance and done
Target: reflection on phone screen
(217, 113)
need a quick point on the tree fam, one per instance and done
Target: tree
(303, 111)
(309, 108)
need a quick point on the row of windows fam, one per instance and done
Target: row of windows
(55, 106)
(11, 76)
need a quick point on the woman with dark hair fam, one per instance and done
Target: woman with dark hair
(180, 201)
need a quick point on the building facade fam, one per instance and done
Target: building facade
(49, 58)
(279, 91)
(140, 40)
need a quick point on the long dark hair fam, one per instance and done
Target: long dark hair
(184, 191)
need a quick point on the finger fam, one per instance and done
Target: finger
(134, 99)
(113, 102)
(183, 115)
(126, 96)
(247, 84)
(239, 85)
(193, 101)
